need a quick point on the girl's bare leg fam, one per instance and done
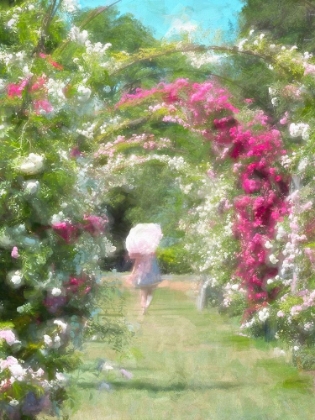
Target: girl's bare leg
(143, 296)
(149, 297)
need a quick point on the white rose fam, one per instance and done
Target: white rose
(60, 377)
(15, 277)
(57, 342)
(56, 291)
(263, 315)
(268, 245)
(61, 324)
(299, 129)
(11, 23)
(14, 403)
(2, 84)
(84, 93)
(27, 72)
(47, 340)
(32, 164)
(31, 186)
(17, 371)
(57, 218)
(273, 259)
(40, 372)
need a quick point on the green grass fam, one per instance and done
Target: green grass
(191, 365)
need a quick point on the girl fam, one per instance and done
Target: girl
(145, 276)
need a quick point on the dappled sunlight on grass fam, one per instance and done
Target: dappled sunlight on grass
(191, 365)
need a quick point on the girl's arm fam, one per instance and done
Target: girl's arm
(130, 279)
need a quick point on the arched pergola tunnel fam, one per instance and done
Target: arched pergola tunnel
(247, 152)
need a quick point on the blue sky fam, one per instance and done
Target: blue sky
(162, 15)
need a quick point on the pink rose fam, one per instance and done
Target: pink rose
(15, 252)
(8, 336)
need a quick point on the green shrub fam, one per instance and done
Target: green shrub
(304, 358)
(173, 260)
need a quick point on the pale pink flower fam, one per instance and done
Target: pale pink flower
(307, 206)
(285, 119)
(9, 361)
(8, 336)
(211, 174)
(40, 372)
(309, 69)
(17, 371)
(295, 310)
(42, 106)
(15, 252)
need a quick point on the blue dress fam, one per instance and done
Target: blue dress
(148, 273)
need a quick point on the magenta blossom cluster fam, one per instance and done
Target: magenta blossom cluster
(69, 231)
(38, 89)
(253, 151)
(75, 288)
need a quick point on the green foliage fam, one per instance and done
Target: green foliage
(124, 32)
(151, 195)
(291, 22)
(237, 306)
(173, 260)
(304, 358)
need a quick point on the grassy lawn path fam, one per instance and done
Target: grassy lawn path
(194, 366)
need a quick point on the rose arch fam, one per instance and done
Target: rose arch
(249, 152)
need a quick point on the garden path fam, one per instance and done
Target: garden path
(193, 365)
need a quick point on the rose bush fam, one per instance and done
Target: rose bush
(51, 223)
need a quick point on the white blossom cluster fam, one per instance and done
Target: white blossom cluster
(13, 15)
(11, 58)
(299, 130)
(260, 317)
(97, 48)
(263, 314)
(206, 238)
(199, 60)
(56, 91)
(87, 130)
(70, 6)
(78, 36)
(230, 292)
(32, 164)
(84, 93)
